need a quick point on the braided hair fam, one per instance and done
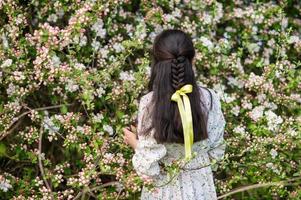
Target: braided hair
(171, 68)
(177, 69)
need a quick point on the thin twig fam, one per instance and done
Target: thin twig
(3, 135)
(54, 130)
(41, 165)
(49, 125)
(259, 185)
(95, 188)
(11, 130)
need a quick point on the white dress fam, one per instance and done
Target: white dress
(193, 183)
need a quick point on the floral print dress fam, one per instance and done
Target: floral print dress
(195, 181)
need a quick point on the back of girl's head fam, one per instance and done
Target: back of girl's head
(171, 68)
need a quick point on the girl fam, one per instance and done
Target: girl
(169, 129)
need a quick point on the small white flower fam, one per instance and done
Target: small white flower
(60, 13)
(293, 39)
(83, 40)
(261, 97)
(256, 113)
(273, 120)
(80, 129)
(98, 28)
(292, 132)
(5, 185)
(79, 66)
(126, 76)
(235, 82)
(100, 91)
(235, 110)
(240, 129)
(253, 47)
(206, 42)
(4, 41)
(52, 18)
(95, 44)
(104, 52)
(55, 61)
(284, 23)
(98, 117)
(273, 167)
(11, 89)
(270, 165)
(228, 98)
(207, 18)
(7, 63)
(273, 153)
(108, 129)
(71, 86)
(50, 126)
(118, 47)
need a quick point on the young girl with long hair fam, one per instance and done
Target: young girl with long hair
(177, 118)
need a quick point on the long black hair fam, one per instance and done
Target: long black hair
(171, 68)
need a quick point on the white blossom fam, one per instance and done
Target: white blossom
(118, 47)
(50, 126)
(256, 113)
(273, 167)
(52, 18)
(240, 129)
(229, 98)
(98, 117)
(273, 120)
(5, 185)
(108, 129)
(293, 39)
(126, 76)
(80, 129)
(79, 66)
(100, 91)
(103, 52)
(206, 42)
(273, 153)
(235, 82)
(207, 18)
(7, 63)
(4, 41)
(11, 89)
(253, 47)
(71, 86)
(235, 110)
(95, 44)
(98, 28)
(55, 60)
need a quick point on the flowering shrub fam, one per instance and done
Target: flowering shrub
(72, 73)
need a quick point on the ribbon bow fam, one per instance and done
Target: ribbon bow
(186, 116)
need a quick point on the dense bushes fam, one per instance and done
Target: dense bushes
(72, 73)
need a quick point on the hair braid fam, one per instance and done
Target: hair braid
(177, 71)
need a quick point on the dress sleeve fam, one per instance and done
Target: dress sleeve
(148, 152)
(216, 127)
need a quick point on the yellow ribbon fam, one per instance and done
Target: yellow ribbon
(186, 116)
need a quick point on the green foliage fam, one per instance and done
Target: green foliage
(87, 63)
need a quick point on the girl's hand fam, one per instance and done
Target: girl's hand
(130, 138)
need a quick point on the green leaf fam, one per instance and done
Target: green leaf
(2, 149)
(64, 109)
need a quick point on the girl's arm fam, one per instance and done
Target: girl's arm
(147, 152)
(216, 127)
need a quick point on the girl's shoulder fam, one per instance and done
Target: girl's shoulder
(207, 95)
(146, 98)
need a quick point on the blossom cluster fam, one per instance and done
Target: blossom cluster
(72, 72)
